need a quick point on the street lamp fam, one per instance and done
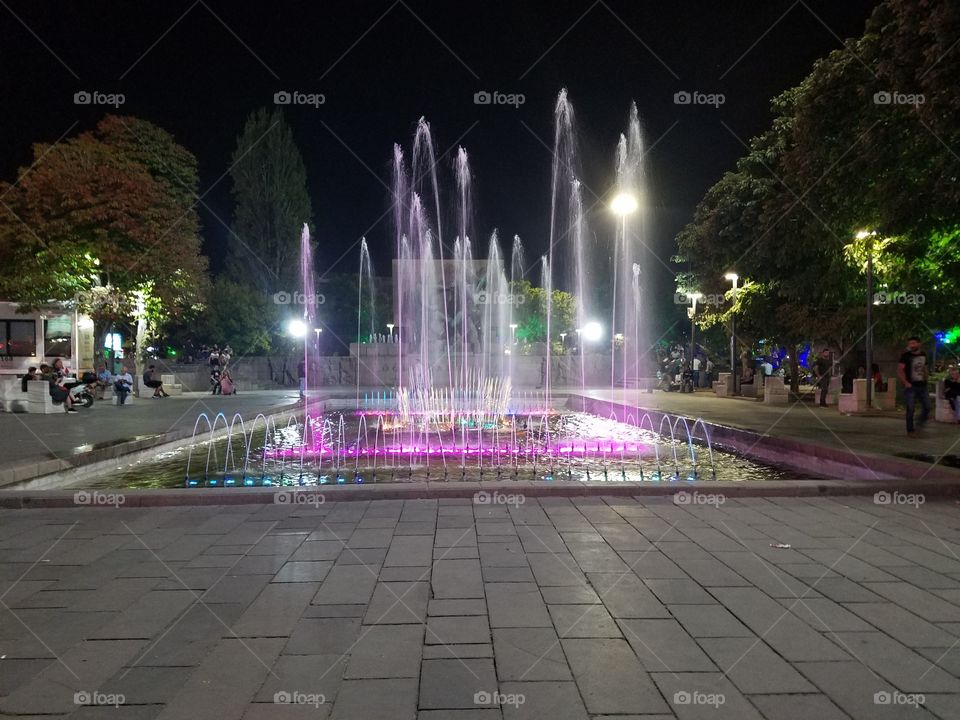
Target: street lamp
(694, 298)
(563, 341)
(513, 333)
(624, 204)
(296, 328)
(592, 331)
(733, 278)
(868, 236)
(390, 327)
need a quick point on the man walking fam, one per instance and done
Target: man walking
(913, 373)
(821, 373)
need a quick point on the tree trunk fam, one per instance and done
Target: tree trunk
(795, 369)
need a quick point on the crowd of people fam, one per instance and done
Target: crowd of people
(221, 381)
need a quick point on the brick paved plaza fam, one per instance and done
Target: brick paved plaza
(549, 608)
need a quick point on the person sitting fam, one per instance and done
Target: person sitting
(951, 391)
(58, 392)
(122, 385)
(149, 379)
(227, 386)
(104, 380)
(846, 380)
(878, 384)
(31, 375)
(747, 377)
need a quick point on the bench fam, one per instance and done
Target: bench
(776, 391)
(39, 400)
(170, 385)
(754, 389)
(856, 401)
(115, 397)
(723, 386)
(942, 410)
(12, 398)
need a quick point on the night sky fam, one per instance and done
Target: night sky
(198, 68)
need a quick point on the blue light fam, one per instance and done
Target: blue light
(266, 482)
(211, 483)
(192, 482)
(229, 480)
(357, 479)
(323, 479)
(249, 481)
(341, 479)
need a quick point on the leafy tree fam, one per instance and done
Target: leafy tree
(96, 222)
(237, 317)
(271, 204)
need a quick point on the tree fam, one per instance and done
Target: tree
(97, 222)
(244, 320)
(271, 204)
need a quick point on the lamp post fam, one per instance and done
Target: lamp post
(513, 333)
(694, 297)
(563, 341)
(733, 278)
(317, 331)
(868, 236)
(390, 327)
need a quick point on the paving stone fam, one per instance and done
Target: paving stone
(556, 570)
(529, 654)
(334, 611)
(307, 674)
(798, 707)
(85, 667)
(842, 590)
(502, 554)
(421, 527)
(259, 565)
(452, 684)
(703, 621)
(903, 626)
(410, 550)
(583, 621)
(516, 605)
(597, 558)
(457, 630)
(506, 574)
(191, 638)
(398, 603)
(457, 579)
(701, 565)
(311, 551)
(677, 591)
(610, 678)
(278, 544)
(456, 537)
(370, 557)
(405, 574)
(554, 700)
(323, 636)
(239, 589)
(919, 601)
(825, 615)
(376, 700)
(689, 694)
(538, 540)
(456, 553)
(457, 607)
(276, 610)
(753, 667)
(910, 672)
(148, 685)
(853, 688)
(146, 617)
(785, 632)
(766, 576)
(664, 646)
(345, 585)
(625, 596)
(570, 595)
(15, 672)
(652, 564)
(272, 711)
(454, 652)
(303, 572)
(386, 651)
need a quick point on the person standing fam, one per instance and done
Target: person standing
(696, 372)
(709, 376)
(951, 391)
(302, 378)
(821, 373)
(914, 373)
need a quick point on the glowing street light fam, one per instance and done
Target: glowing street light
(624, 204)
(390, 327)
(513, 332)
(296, 328)
(592, 331)
(733, 278)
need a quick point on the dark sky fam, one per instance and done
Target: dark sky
(198, 68)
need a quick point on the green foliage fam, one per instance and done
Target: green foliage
(271, 204)
(531, 314)
(835, 161)
(236, 316)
